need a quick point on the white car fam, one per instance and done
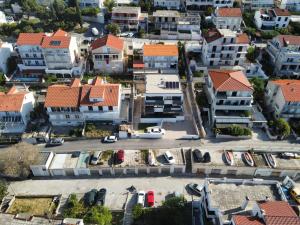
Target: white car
(96, 157)
(95, 31)
(141, 198)
(110, 139)
(157, 131)
(169, 157)
(123, 35)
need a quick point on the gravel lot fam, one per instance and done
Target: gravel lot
(116, 187)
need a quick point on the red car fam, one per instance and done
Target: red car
(120, 156)
(150, 198)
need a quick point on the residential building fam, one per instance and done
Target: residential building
(168, 4)
(257, 4)
(162, 57)
(76, 103)
(62, 56)
(5, 52)
(126, 17)
(272, 18)
(203, 4)
(252, 70)
(227, 18)
(163, 98)
(292, 5)
(284, 52)
(230, 95)
(2, 17)
(91, 3)
(283, 98)
(166, 19)
(108, 54)
(15, 108)
(223, 47)
(29, 48)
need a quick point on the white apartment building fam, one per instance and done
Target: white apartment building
(283, 98)
(223, 47)
(230, 95)
(73, 105)
(227, 18)
(258, 4)
(284, 51)
(62, 56)
(163, 98)
(157, 56)
(108, 54)
(272, 18)
(168, 4)
(29, 48)
(202, 4)
(166, 19)
(5, 52)
(15, 108)
(127, 17)
(91, 3)
(292, 5)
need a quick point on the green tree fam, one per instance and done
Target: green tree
(2, 79)
(98, 215)
(3, 189)
(137, 211)
(113, 28)
(78, 12)
(284, 31)
(141, 33)
(74, 208)
(251, 54)
(282, 127)
(90, 11)
(175, 202)
(109, 5)
(259, 88)
(209, 11)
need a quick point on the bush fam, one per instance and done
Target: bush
(197, 74)
(137, 211)
(3, 189)
(98, 215)
(90, 11)
(269, 34)
(234, 130)
(282, 127)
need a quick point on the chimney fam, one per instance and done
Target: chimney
(245, 203)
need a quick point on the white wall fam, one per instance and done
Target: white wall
(5, 52)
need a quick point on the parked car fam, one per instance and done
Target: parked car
(89, 197)
(95, 31)
(141, 198)
(289, 155)
(100, 198)
(109, 139)
(55, 142)
(169, 157)
(96, 157)
(120, 156)
(194, 189)
(197, 155)
(206, 157)
(150, 198)
(157, 131)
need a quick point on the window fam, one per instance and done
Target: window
(34, 56)
(100, 108)
(76, 116)
(90, 108)
(240, 48)
(212, 55)
(238, 55)
(286, 19)
(236, 63)
(279, 18)
(214, 48)
(67, 116)
(211, 63)
(110, 108)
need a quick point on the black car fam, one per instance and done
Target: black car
(55, 142)
(206, 157)
(194, 189)
(100, 198)
(89, 197)
(197, 155)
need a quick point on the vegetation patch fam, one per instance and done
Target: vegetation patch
(92, 130)
(280, 127)
(233, 130)
(143, 126)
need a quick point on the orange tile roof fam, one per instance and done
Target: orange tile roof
(281, 12)
(12, 101)
(110, 41)
(246, 220)
(30, 39)
(242, 39)
(56, 42)
(229, 12)
(160, 50)
(229, 80)
(290, 89)
(289, 39)
(60, 33)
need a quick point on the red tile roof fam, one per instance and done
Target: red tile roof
(290, 89)
(30, 39)
(160, 50)
(289, 39)
(56, 42)
(281, 12)
(246, 220)
(11, 101)
(110, 41)
(229, 12)
(242, 39)
(229, 80)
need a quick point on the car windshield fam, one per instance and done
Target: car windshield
(170, 157)
(94, 159)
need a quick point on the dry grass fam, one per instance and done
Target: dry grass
(34, 206)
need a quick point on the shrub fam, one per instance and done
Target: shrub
(234, 130)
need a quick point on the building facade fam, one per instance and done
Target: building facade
(108, 54)
(15, 108)
(91, 3)
(292, 5)
(283, 99)
(223, 47)
(257, 4)
(128, 18)
(230, 95)
(203, 4)
(272, 19)
(168, 4)
(5, 52)
(73, 105)
(284, 52)
(227, 18)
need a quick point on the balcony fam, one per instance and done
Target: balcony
(231, 97)
(233, 107)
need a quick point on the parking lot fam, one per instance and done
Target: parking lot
(116, 188)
